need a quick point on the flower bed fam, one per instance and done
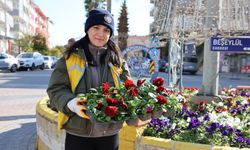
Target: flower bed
(223, 123)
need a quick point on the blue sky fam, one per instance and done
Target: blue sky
(68, 17)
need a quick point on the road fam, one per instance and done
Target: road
(20, 92)
(225, 79)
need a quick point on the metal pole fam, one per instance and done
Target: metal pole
(182, 46)
(170, 42)
(169, 58)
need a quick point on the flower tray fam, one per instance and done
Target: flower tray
(104, 126)
(157, 114)
(145, 117)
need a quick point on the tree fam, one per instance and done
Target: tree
(39, 44)
(25, 43)
(123, 27)
(90, 4)
(56, 51)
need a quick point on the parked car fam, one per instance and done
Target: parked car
(48, 62)
(8, 62)
(31, 60)
(163, 65)
(54, 58)
(190, 64)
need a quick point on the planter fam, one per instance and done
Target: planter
(48, 137)
(152, 143)
(145, 117)
(104, 126)
(157, 114)
(169, 113)
(132, 121)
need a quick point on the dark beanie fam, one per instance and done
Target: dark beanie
(100, 17)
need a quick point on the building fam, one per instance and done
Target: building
(41, 22)
(17, 19)
(6, 23)
(187, 20)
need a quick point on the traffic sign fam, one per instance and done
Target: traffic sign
(240, 44)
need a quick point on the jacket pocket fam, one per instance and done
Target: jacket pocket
(106, 128)
(77, 125)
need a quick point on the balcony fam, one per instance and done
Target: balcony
(12, 35)
(2, 32)
(10, 20)
(9, 5)
(2, 17)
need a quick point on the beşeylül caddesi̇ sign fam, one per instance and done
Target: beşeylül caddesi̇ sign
(240, 44)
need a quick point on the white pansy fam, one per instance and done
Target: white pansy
(248, 123)
(238, 124)
(220, 104)
(223, 93)
(151, 95)
(173, 126)
(232, 90)
(180, 97)
(213, 117)
(195, 92)
(244, 102)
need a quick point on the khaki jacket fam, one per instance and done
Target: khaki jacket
(60, 92)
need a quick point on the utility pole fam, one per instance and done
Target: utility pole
(109, 5)
(210, 80)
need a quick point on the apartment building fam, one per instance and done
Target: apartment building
(41, 22)
(17, 19)
(6, 23)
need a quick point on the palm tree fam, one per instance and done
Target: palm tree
(123, 27)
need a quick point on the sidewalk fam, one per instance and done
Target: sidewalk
(18, 118)
(235, 75)
(231, 75)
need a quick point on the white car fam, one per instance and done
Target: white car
(48, 62)
(54, 58)
(31, 60)
(8, 62)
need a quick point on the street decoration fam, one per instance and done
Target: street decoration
(140, 66)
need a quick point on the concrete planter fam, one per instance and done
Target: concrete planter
(49, 138)
(151, 143)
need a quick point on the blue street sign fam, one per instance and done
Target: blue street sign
(240, 44)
